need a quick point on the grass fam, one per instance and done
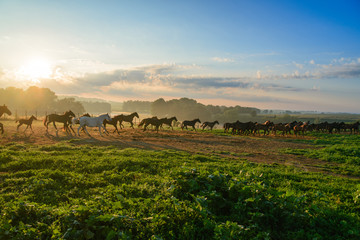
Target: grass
(344, 150)
(65, 191)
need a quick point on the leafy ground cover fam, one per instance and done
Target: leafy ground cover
(71, 191)
(342, 149)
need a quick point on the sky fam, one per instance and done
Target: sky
(291, 55)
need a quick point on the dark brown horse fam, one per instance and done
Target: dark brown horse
(4, 109)
(113, 122)
(187, 123)
(151, 121)
(27, 122)
(168, 121)
(63, 118)
(209, 124)
(127, 118)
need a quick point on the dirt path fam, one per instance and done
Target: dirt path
(254, 149)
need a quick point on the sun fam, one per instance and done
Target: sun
(35, 69)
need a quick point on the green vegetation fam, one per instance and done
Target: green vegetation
(66, 191)
(334, 148)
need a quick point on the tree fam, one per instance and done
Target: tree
(67, 104)
(158, 107)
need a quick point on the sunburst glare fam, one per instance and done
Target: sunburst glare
(34, 70)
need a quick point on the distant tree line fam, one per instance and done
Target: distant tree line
(96, 107)
(35, 100)
(186, 108)
(137, 106)
(41, 101)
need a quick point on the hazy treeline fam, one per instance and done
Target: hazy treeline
(137, 106)
(97, 107)
(186, 108)
(41, 101)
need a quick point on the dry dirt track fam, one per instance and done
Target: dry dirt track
(257, 149)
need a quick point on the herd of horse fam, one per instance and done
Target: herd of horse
(294, 127)
(68, 119)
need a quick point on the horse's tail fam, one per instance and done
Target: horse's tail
(45, 120)
(16, 121)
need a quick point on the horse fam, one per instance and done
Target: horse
(93, 122)
(153, 121)
(168, 121)
(27, 122)
(127, 118)
(265, 127)
(192, 123)
(113, 122)
(301, 127)
(243, 127)
(227, 126)
(73, 121)
(4, 109)
(285, 128)
(64, 118)
(209, 124)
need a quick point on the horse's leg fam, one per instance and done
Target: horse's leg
(105, 129)
(100, 131)
(116, 129)
(18, 126)
(84, 127)
(132, 125)
(31, 128)
(72, 129)
(47, 126)
(79, 130)
(55, 125)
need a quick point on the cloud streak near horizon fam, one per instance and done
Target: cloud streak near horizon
(174, 81)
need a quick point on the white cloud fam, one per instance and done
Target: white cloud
(298, 65)
(312, 62)
(224, 60)
(258, 74)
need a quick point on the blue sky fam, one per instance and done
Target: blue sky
(295, 55)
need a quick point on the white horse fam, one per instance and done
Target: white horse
(93, 122)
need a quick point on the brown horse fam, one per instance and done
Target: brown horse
(127, 118)
(63, 118)
(113, 122)
(168, 121)
(209, 124)
(27, 122)
(3, 109)
(151, 121)
(191, 123)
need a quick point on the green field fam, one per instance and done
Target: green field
(71, 191)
